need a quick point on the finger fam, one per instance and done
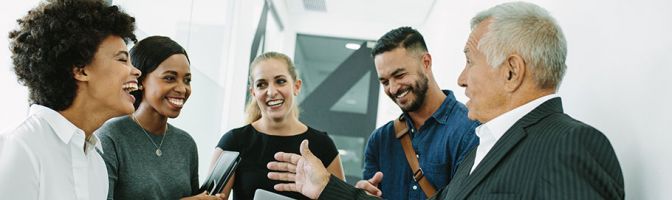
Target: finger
(369, 188)
(281, 166)
(376, 179)
(291, 187)
(287, 157)
(281, 176)
(361, 184)
(305, 151)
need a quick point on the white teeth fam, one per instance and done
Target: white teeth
(130, 87)
(402, 94)
(178, 102)
(275, 102)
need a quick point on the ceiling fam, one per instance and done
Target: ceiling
(361, 19)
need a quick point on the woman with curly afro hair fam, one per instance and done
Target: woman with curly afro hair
(73, 58)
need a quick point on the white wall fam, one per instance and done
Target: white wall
(619, 63)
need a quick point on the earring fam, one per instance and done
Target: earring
(139, 87)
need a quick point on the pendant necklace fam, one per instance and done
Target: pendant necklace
(158, 151)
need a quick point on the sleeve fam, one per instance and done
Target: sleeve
(109, 155)
(337, 189)
(19, 178)
(194, 169)
(468, 141)
(371, 154)
(584, 167)
(325, 148)
(228, 141)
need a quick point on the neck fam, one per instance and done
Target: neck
(151, 120)
(433, 101)
(284, 127)
(86, 116)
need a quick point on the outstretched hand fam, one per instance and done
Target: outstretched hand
(371, 185)
(309, 175)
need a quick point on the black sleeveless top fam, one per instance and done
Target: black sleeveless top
(257, 149)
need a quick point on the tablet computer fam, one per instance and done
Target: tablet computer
(224, 167)
(260, 194)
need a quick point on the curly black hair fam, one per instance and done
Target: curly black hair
(405, 37)
(57, 36)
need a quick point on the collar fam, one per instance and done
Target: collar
(441, 115)
(495, 128)
(61, 126)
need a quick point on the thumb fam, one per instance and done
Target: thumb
(377, 178)
(305, 151)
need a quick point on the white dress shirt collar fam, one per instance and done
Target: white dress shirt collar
(63, 128)
(490, 132)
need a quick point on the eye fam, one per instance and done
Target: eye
(281, 81)
(261, 85)
(400, 76)
(169, 78)
(123, 60)
(384, 82)
(187, 80)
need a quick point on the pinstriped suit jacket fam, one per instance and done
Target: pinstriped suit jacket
(545, 155)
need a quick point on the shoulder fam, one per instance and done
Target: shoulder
(179, 133)
(234, 138)
(238, 132)
(318, 135)
(115, 128)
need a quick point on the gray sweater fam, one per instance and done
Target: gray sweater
(136, 172)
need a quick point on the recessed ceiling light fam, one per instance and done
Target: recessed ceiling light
(352, 46)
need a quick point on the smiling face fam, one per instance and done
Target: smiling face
(274, 89)
(168, 87)
(484, 85)
(403, 78)
(110, 77)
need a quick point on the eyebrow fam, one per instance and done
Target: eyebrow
(279, 76)
(121, 52)
(394, 73)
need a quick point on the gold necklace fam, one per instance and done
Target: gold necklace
(158, 151)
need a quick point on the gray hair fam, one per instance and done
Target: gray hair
(530, 31)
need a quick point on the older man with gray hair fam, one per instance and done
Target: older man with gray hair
(529, 148)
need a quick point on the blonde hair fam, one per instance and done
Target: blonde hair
(252, 109)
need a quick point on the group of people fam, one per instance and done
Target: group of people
(98, 124)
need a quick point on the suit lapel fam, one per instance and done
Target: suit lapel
(505, 144)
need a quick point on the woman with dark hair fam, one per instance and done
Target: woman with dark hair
(73, 58)
(146, 157)
(273, 126)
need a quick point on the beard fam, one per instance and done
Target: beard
(419, 89)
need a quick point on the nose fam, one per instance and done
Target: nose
(271, 90)
(461, 79)
(393, 87)
(181, 87)
(135, 72)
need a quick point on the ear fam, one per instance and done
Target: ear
(79, 73)
(427, 61)
(514, 70)
(297, 87)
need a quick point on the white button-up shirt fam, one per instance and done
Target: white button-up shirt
(45, 158)
(492, 130)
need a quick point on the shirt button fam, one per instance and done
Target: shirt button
(415, 187)
(417, 156)
(412, 130)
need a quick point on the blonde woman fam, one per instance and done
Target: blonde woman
(273, 126)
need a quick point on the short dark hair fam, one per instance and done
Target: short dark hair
(148, 54)
(405, 37)
(57, 36)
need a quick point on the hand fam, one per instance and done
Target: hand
(371, 185)
(305, 170)
(204, 195)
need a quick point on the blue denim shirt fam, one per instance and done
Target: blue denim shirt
(441, 143)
